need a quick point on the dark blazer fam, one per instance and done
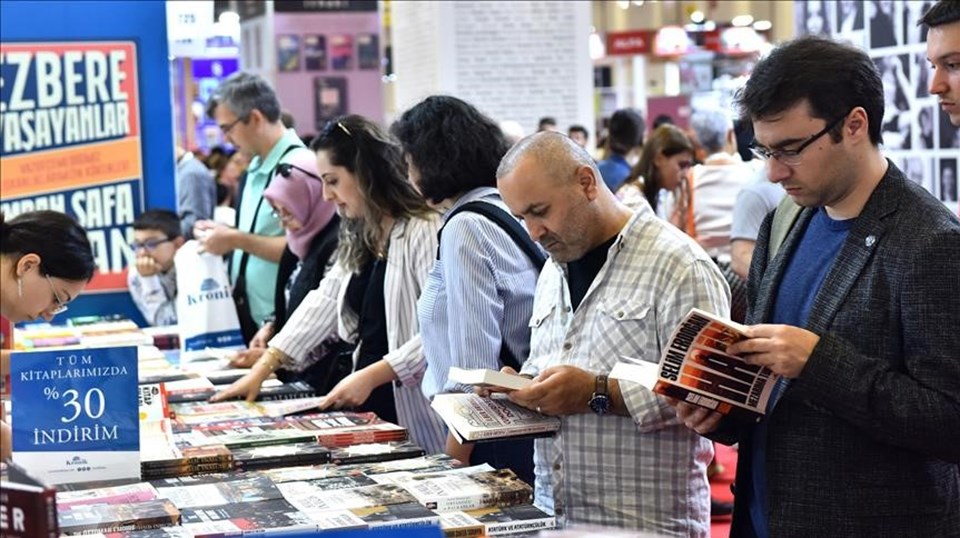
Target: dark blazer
(866, 441)
(320, 255)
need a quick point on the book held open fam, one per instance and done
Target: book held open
(695, 368)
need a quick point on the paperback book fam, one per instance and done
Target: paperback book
(310, 498)
(274, 516)
(460, 491)
(267, 457)
(483, 377)
(517, 519)
(473, 418)
(248, 490)
(87, 518)
(375, 452)
(28, 506)
(696, 368)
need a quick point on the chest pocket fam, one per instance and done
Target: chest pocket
(625, 327)
(541, 315)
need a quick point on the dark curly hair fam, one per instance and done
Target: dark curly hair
(455, 147)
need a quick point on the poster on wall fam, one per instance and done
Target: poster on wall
(70, 142)
(341, 52)
(330, 98)
(917, 134)
(368, 51)
(315, 52)
(288, 53)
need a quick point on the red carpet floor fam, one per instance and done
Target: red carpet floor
(720, 488)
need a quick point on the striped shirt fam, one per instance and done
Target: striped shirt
(324, 311)
(645, 471)
(478, 296)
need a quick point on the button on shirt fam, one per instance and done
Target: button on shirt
(645, 471)
(261, 274)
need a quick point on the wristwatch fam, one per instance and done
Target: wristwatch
(600, 401)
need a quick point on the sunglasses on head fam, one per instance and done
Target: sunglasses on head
(286, 170)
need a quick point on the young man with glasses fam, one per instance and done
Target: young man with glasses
(855, 309)
(153, 280)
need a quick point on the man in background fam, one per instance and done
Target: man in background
(196, 191)
(579, 134)
(624, 137)
(547, 123)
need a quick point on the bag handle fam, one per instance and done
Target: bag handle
(783, 219)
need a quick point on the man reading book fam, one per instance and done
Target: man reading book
(617, 283)
(857, 310)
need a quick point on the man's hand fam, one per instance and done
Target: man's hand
(247, 386)
(218, 239)
(781, 348)
(558, 390)
(247, 358)
(486, 391)
(147, 266)
(698, 419)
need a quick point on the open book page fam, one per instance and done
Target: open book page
(696, 368)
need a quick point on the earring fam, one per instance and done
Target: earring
(19, 287)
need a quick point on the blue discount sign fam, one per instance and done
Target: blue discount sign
(75, 414)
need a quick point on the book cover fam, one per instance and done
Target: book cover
(460, 525)
(273, 516)
(86, 518)
(473, 418)
(507, 520)
(483, 377)
(315, 52)
(373, 452)
(395, 516)
(263, 457)
(347, 428)
(459, 491)
(247, 490)
(368, 51)
(305, 473)
(310, 498)
(341, 52)
(347, 481)
(695, 368)
(124, 494)
(288, 53)
(28, 506)
(424, 464)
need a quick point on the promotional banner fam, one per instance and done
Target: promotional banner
(70, 141)
(75, 414)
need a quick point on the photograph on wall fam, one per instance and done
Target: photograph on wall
(368, 51)
(288, 53)
(912, 11)
(330, 99)
(898, 102)
(813, 18)
(341, 52)
(849, 16)
(919, 170)
(948, 180)
(883, 31)
(315, 52)
(925, 134)
(949, 134)
(920, 75)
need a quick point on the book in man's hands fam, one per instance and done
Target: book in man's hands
(696, 368)
(473, 418)
(482, 377)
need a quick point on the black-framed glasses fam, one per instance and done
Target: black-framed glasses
(792, 157)
(225, 129)
(61, 306)
(149, 245)
(286, 170)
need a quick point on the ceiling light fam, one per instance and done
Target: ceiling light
(697, 16)
(762, 26)
(742, 20)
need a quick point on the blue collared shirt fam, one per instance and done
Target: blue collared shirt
(614, 170)
(479, 295)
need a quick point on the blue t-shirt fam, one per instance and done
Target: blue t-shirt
(805, 273)
(614, 170)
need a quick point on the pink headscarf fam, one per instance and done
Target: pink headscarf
(303, 197)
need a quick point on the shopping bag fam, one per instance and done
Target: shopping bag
(206, 314)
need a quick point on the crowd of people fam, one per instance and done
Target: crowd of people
(441, 242)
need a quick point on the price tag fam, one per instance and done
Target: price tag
(75, 414)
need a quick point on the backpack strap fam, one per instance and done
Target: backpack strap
(507, 223)
(519, 235)
(783, 219)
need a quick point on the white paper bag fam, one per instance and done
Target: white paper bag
(206, 314)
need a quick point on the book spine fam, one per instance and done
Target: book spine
(509, 431)
(468, 532)
(516, 527)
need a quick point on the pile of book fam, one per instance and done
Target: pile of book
(82, 332)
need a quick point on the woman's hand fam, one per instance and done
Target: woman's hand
(351, 391)
(246, 358)
(247, 386)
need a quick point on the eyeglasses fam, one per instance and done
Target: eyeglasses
(61, 306)
(282, 214)
(149, 245)
(791, 157)
(225, 129)
(286, 170)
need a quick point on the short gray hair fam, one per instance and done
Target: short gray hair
(554, 151)
(243, 93)
(711, 126)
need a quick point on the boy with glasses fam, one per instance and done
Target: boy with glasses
(153, 281)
